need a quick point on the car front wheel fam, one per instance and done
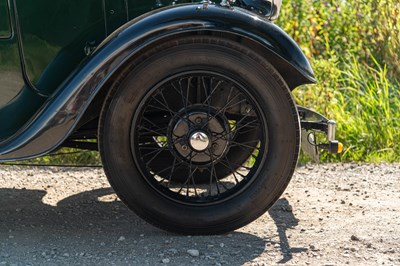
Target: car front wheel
(199, 135)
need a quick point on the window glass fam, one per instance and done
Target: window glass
(5, 30)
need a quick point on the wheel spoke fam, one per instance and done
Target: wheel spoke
(229, 104)
(198, 90)
(213, 174)
(250, 153)
(190, 178)
(187, 93)
(154, 124)
(250, 129)
(235, 164)
(172, 113)
(217, 181)
(158, 107)
(235, 130)
(191, 173)
(235, 143)
(187, 181)
(152, 158)
(149, 130)
(172, 167)
(226, 106)
(234, 172)
(155, 150)
(245, 125)
(172, 172)
(207, 100)
(189, 158)
(229, 166)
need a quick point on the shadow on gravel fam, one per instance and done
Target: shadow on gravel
(284, 219)
(84, 227)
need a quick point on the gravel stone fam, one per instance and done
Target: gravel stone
(173, 251)
(193, 252)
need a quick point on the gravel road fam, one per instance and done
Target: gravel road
(330, 214)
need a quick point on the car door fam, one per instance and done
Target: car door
(56, 36)
(11, 80)
(41, 43)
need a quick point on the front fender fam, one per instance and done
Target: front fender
(169, 21)
(61, 112)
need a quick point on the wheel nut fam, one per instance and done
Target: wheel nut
(198, 120)
(215, 146)
(184, 147)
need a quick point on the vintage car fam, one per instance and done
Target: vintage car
(189, 103)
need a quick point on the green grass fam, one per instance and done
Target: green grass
(64, 157)
(366, 106)
(354, 47)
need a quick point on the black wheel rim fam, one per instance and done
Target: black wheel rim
(189, 127)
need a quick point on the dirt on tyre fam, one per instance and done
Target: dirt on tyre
(200, 135)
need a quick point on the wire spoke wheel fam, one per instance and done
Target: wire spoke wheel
(188, 133)
(199, 135)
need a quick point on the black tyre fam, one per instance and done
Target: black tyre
(199, 135)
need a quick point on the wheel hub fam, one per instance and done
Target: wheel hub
(199, 136)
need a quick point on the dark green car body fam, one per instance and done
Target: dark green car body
(47, 41)
(57, 57)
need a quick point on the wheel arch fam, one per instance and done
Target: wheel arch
(86, 86)
(235, 24)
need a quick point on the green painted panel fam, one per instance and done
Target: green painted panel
(55, 36)
(11, 80)
(116, 14)
(139, 7)
(5, 29)
(17, 101)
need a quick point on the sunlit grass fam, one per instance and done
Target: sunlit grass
(365, 104)
(354, 47)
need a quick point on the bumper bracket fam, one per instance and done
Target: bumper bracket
(313, 122)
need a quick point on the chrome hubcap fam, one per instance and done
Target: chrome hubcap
(199, 141)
